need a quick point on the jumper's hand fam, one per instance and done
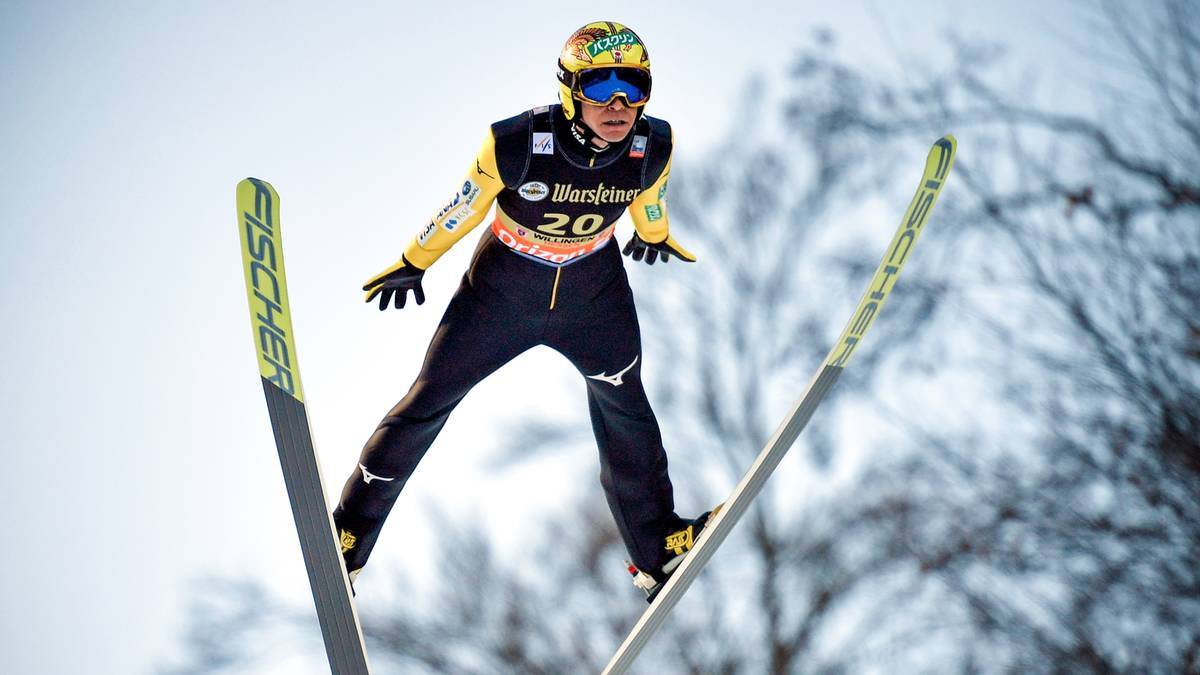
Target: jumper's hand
(397, 279)
(637, 248)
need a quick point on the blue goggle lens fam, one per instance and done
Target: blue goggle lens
(602, 85)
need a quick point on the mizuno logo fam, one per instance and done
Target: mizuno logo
(368, 476)
(479, 169)
(614, 379)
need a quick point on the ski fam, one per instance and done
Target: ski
(937, 167)
(271, 319)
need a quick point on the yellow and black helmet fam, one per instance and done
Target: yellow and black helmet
(601, 61)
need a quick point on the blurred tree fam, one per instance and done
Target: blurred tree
(1008, 476)
(1059, 508)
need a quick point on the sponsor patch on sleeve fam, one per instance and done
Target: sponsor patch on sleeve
(426, 233)
(459, 209)
(654, 212)
(469, 191)
(458, 217)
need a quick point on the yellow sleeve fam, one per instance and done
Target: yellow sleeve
(468, 207)
(649, 210)
(649, 213)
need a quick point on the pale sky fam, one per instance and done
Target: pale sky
(138, 455)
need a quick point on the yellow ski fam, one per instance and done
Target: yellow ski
(937, 167)
(275, 343)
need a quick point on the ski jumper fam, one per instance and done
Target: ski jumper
(545, 273)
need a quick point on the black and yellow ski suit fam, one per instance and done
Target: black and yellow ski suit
(547, 273)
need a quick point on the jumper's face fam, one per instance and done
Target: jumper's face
(610, 122)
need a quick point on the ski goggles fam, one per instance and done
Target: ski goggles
(599, 86)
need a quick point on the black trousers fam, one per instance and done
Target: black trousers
(501, 309)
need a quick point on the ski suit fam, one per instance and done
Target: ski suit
(545, 273)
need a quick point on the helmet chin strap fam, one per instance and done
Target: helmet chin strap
(584, 134)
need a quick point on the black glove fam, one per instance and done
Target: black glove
(397, 279)
(638, 247)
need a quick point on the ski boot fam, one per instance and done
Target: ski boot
(679, 542)
(355, 537)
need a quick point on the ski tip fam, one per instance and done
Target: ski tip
(941, 157)
(250, 189)
(257, 183)
(947, 143)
